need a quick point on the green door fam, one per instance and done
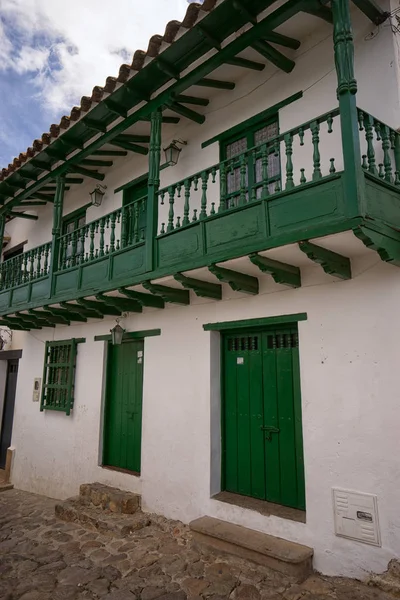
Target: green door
(262, 428)
(123, 414)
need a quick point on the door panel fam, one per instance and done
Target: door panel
(123, 416)
(8, 410)
(263, 452)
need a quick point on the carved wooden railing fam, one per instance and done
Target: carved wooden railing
(25, 267)
(252, 175)
(380, 148)
(122, 228)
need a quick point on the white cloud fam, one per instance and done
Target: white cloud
(87, 40)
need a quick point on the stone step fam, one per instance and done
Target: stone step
(100, 519)
(5, 486)
(280, 555)
(109, 498)
(389, 581)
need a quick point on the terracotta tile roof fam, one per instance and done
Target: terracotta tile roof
(125, 72)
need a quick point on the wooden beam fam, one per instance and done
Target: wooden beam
(143, 299)
(19, 324)
(32, 321)
(246, 64)
(22, 215)
(86, 172)
(203, 289)
(35, 203)
(331, 262)
(316, 9)
(39, 164)
(282, 40)
(49, 316)
(99, 307)
(122, 304)
(274, 56)
(133, 139)
(116, 108)
(239, 282)
(81, 310)
(131, 147)
(281, 272)
(168, 294)
(39, 196)
(387, 246)
(166, 120)
(73, 180)
(70, 143)
(89, 162)
(14, 326)
(110, 153)
(215, 83)
(372, 11)
(191, 100)
(239, 6)
(68, 315)
(167, 68)
(187, 112)
(206, 35)
(29, 176)
(57, 154)
(94, 125)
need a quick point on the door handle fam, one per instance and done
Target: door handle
(269, 430)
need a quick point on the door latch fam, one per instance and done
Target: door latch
(269, 430)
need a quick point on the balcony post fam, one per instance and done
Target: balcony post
(153, 186)
(2, 228)
(354, 183)
(56, 230)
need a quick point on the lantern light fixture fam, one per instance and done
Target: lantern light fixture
(173, 151)
(96, 196)
(117, 333)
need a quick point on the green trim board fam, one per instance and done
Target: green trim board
(258, 322)
(130, 335)
(240, 127)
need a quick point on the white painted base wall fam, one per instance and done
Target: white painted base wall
(350, 379)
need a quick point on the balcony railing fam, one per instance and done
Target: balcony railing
(26, 267)
(120, 229)
(253, 174)
(271, 193)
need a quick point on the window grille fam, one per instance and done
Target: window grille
(59, 375)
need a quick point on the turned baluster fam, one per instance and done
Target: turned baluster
(289, 162)
(123, 227)
(46, 259)
(387, 161)
(332, 168)
(360, 120)
(243, 173)
(31, 264)
(329, 121)
(112, 233)
(171, 194)
(194, 219)
(381, 172)
(302, 177)
(222, 186)
(314, 126)
(204, 186)
(38, 263)
(25, 269)
(74, 246)
(186, 208)
(364, 162)
(91, 247)
(136, 223)
(264, 170)
(369, 136)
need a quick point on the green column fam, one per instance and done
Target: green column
(2, 227)
(153, 185)
(57, 226)
(354, 184)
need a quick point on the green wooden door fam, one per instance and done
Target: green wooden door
(123, 415)
(262, 428)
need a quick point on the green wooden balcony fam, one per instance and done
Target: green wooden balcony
(288, 189)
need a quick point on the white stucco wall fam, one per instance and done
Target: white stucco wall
(349, 378)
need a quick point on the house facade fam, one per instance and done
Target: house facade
(232, 202)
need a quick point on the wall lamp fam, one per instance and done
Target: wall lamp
(117, 333)
(96, 197)
(173, 151)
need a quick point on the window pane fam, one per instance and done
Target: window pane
(265, 133)
(236, 148)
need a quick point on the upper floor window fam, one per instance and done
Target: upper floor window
(71, 223)
(234, 151)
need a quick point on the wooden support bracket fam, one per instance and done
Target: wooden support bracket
(168, 294)
(99, 307)
(122, 304)
(68, 315)
(48, 316)
(274, 56)
(86, 172)
(203, 289)
(331, 262)
(143, 299)
(81, 310)
(239, 282)
(387, 247)
(281, 272)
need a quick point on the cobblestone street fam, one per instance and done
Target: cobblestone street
(43, 558)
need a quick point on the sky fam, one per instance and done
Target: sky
(52, 52)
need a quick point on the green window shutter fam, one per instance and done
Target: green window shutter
(59, 375)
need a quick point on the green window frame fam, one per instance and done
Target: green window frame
(70, 223)
(253, 134)
(135, 196)
(59, 375)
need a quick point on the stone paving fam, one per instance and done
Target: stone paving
(43, 558)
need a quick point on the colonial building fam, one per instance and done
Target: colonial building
(200, 270)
